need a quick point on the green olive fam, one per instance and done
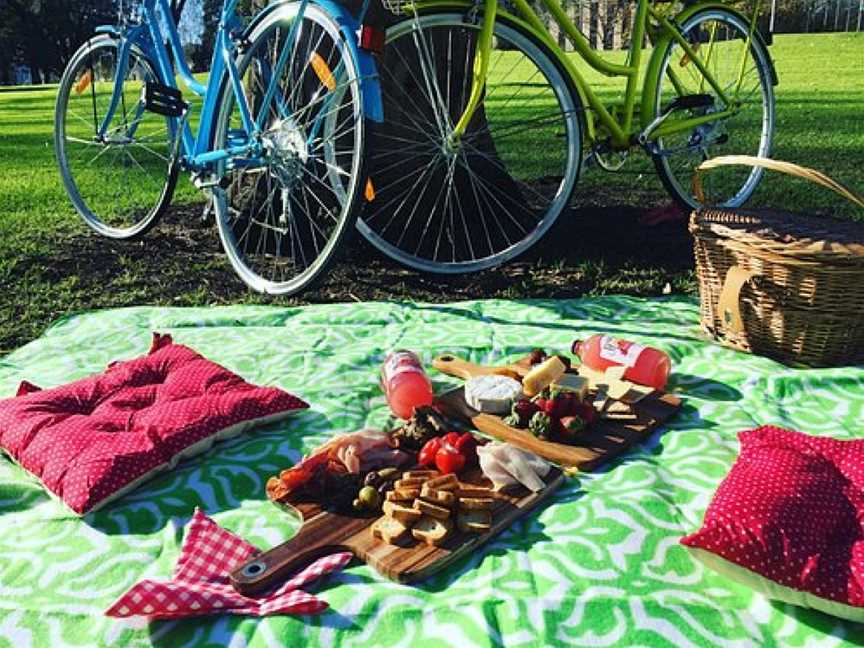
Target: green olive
(369, 497)
(388, 473)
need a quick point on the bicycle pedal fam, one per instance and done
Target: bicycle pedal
(163, 100)
(690, 102)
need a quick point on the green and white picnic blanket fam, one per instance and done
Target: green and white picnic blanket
(601, 565)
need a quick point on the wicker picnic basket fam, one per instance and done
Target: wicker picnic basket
(783, 285)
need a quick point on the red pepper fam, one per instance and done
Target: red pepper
(449, 459)
(428, 452)
(452, 438)
(467, 447)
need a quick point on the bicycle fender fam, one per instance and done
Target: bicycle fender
(370, 86)
(372, 105)
(649, 93)
(110, 30)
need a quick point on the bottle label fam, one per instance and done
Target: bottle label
(621, 352)
(401, 362)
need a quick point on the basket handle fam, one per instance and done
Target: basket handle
(785, 167)
(729, 303)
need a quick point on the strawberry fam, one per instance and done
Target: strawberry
(524, 409)
(558, 405)
(586, 412)
(568, 429)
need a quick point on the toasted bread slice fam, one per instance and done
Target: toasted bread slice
(470, 490)
(420, 474)
(414, 482)
(474, 521)
(433, 510)
(405, 514)
(439, 497)
(445, 482)
(431, 530)
(402, 495)
(389, 530)
(475, 503)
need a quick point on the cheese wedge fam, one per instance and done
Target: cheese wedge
(572, 383)
(542, 375)
(492, 394)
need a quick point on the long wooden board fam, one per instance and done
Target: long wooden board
(325, 532)
(603, 440)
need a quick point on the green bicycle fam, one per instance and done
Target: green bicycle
(487, 120)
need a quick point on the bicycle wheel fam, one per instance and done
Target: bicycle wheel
(451, 210)
(282, 220)
(120, 182)
(719, 37)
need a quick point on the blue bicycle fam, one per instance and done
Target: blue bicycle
(280, 146)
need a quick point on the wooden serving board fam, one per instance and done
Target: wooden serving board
(325, 532)
(604, 439)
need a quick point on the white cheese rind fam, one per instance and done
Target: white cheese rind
(492, 394)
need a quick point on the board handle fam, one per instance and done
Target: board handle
(453, 366)
(270, 567)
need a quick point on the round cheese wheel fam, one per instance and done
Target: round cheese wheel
(492, 394)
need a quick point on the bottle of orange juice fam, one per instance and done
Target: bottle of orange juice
(644, 365)
(405, 383)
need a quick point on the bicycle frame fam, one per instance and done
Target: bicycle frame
(197, 154)
(622, 132)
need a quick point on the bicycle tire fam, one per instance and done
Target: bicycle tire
(88, 195)
(500, 248)
(678, 184)
(228, 208)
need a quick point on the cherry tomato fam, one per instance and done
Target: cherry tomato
(452, 438)
(449, 460)
(428, 452)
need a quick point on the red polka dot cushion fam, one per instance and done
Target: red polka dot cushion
(788, 521)
(94, 439)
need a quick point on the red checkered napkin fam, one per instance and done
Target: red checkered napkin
(201, 586)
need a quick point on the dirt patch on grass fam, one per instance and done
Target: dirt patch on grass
(596, 249)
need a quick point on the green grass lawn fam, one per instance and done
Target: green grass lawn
(50, 265)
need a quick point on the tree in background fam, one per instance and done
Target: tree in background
(43, 34)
